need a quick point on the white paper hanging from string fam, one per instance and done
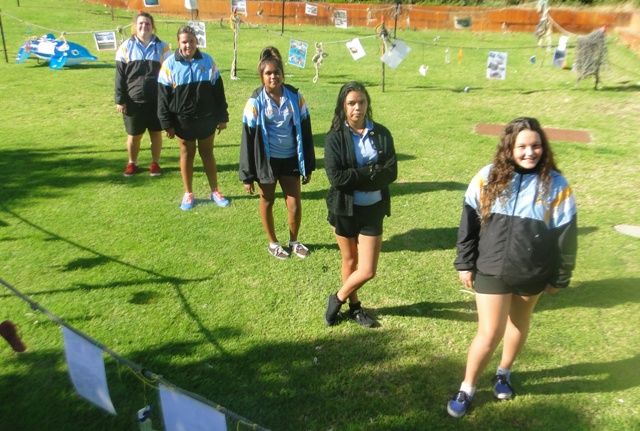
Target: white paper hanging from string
(181, 413)
(355, 48)
(395, 54)
(86, 369)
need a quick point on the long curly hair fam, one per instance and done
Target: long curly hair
(340, 116)
(504, 166)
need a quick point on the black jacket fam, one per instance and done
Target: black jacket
(344, 175)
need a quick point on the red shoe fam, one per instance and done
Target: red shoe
(131, 169)
(154, 170)
(9, 333)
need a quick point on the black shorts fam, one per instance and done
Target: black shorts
(366, 221)
(197, 128)
(285, 167)
(495, 286)
(140, 117)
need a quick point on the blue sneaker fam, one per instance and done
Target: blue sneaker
(459, 404)
(220, 200)
(502, 388)
(187, 202)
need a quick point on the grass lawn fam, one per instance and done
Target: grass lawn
(195, 297)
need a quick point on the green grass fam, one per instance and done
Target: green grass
(195, 297)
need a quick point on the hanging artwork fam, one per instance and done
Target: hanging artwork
(297, 53)
(560, 54)
(497, 65)
(396, 52)
(240, 6)
(310, 9)
(201, 32)
(105, 40)
(340, 18)
(462, 23)
(355, 48)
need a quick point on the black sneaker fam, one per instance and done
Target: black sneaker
(362, 318)
(333, 308)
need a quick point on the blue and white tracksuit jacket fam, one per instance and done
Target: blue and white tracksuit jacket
(525, 239)
(137, 69)
(254, 149)
(189, 90)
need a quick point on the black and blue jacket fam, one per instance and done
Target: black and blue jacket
(190, 90)
(526, 239)
(137, 69)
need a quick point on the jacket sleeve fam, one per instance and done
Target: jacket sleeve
(307, 144)
(342, 175)
(468, 236)
(221, 110)
(247, 172)
(121, 84)
(165, 95)
(567, 239)
(387, 171)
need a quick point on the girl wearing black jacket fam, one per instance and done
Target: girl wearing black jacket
(360, 161)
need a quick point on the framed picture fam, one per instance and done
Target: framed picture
(105, 40)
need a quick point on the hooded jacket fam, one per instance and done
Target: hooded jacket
(254, 149)
(526, 239)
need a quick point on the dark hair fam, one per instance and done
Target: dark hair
(270, 55)
(185, 29)
(270, 51)
(339, 116)
(504, 165)
(146, 15)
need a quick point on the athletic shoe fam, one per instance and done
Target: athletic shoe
(131, 169)
(299, 250)
(154, 170)
(187, 202)
(459, 404)
(362, 318)
(278, 252)
(502, 388)
(333, 308)
(220, 200)
(8, 332)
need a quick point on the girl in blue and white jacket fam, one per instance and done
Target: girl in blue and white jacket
(517, 239)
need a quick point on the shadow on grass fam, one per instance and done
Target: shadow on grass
(422, 240)
(101, 259)
(461, 311)
(606, 293)
(337, 382)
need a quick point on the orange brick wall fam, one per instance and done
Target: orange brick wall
(418, 17)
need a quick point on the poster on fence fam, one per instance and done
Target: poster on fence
(560, 54)
(397, 52)
(150, 3)
(240, 5)
(191, 4)
(497, 65)
(181, 412)
(355, 48)
(340, 18)
(310, 9)
(298, 53)
(201, 32)
(86, 369)
(105, 40)
(462, 23)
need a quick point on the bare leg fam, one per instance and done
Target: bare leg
(205, 148)
(291, 189)
(133, 147)
(267, 199)
(187, 156)
(493, 312)
(365, 259)
(156, 145)
(517, 328)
